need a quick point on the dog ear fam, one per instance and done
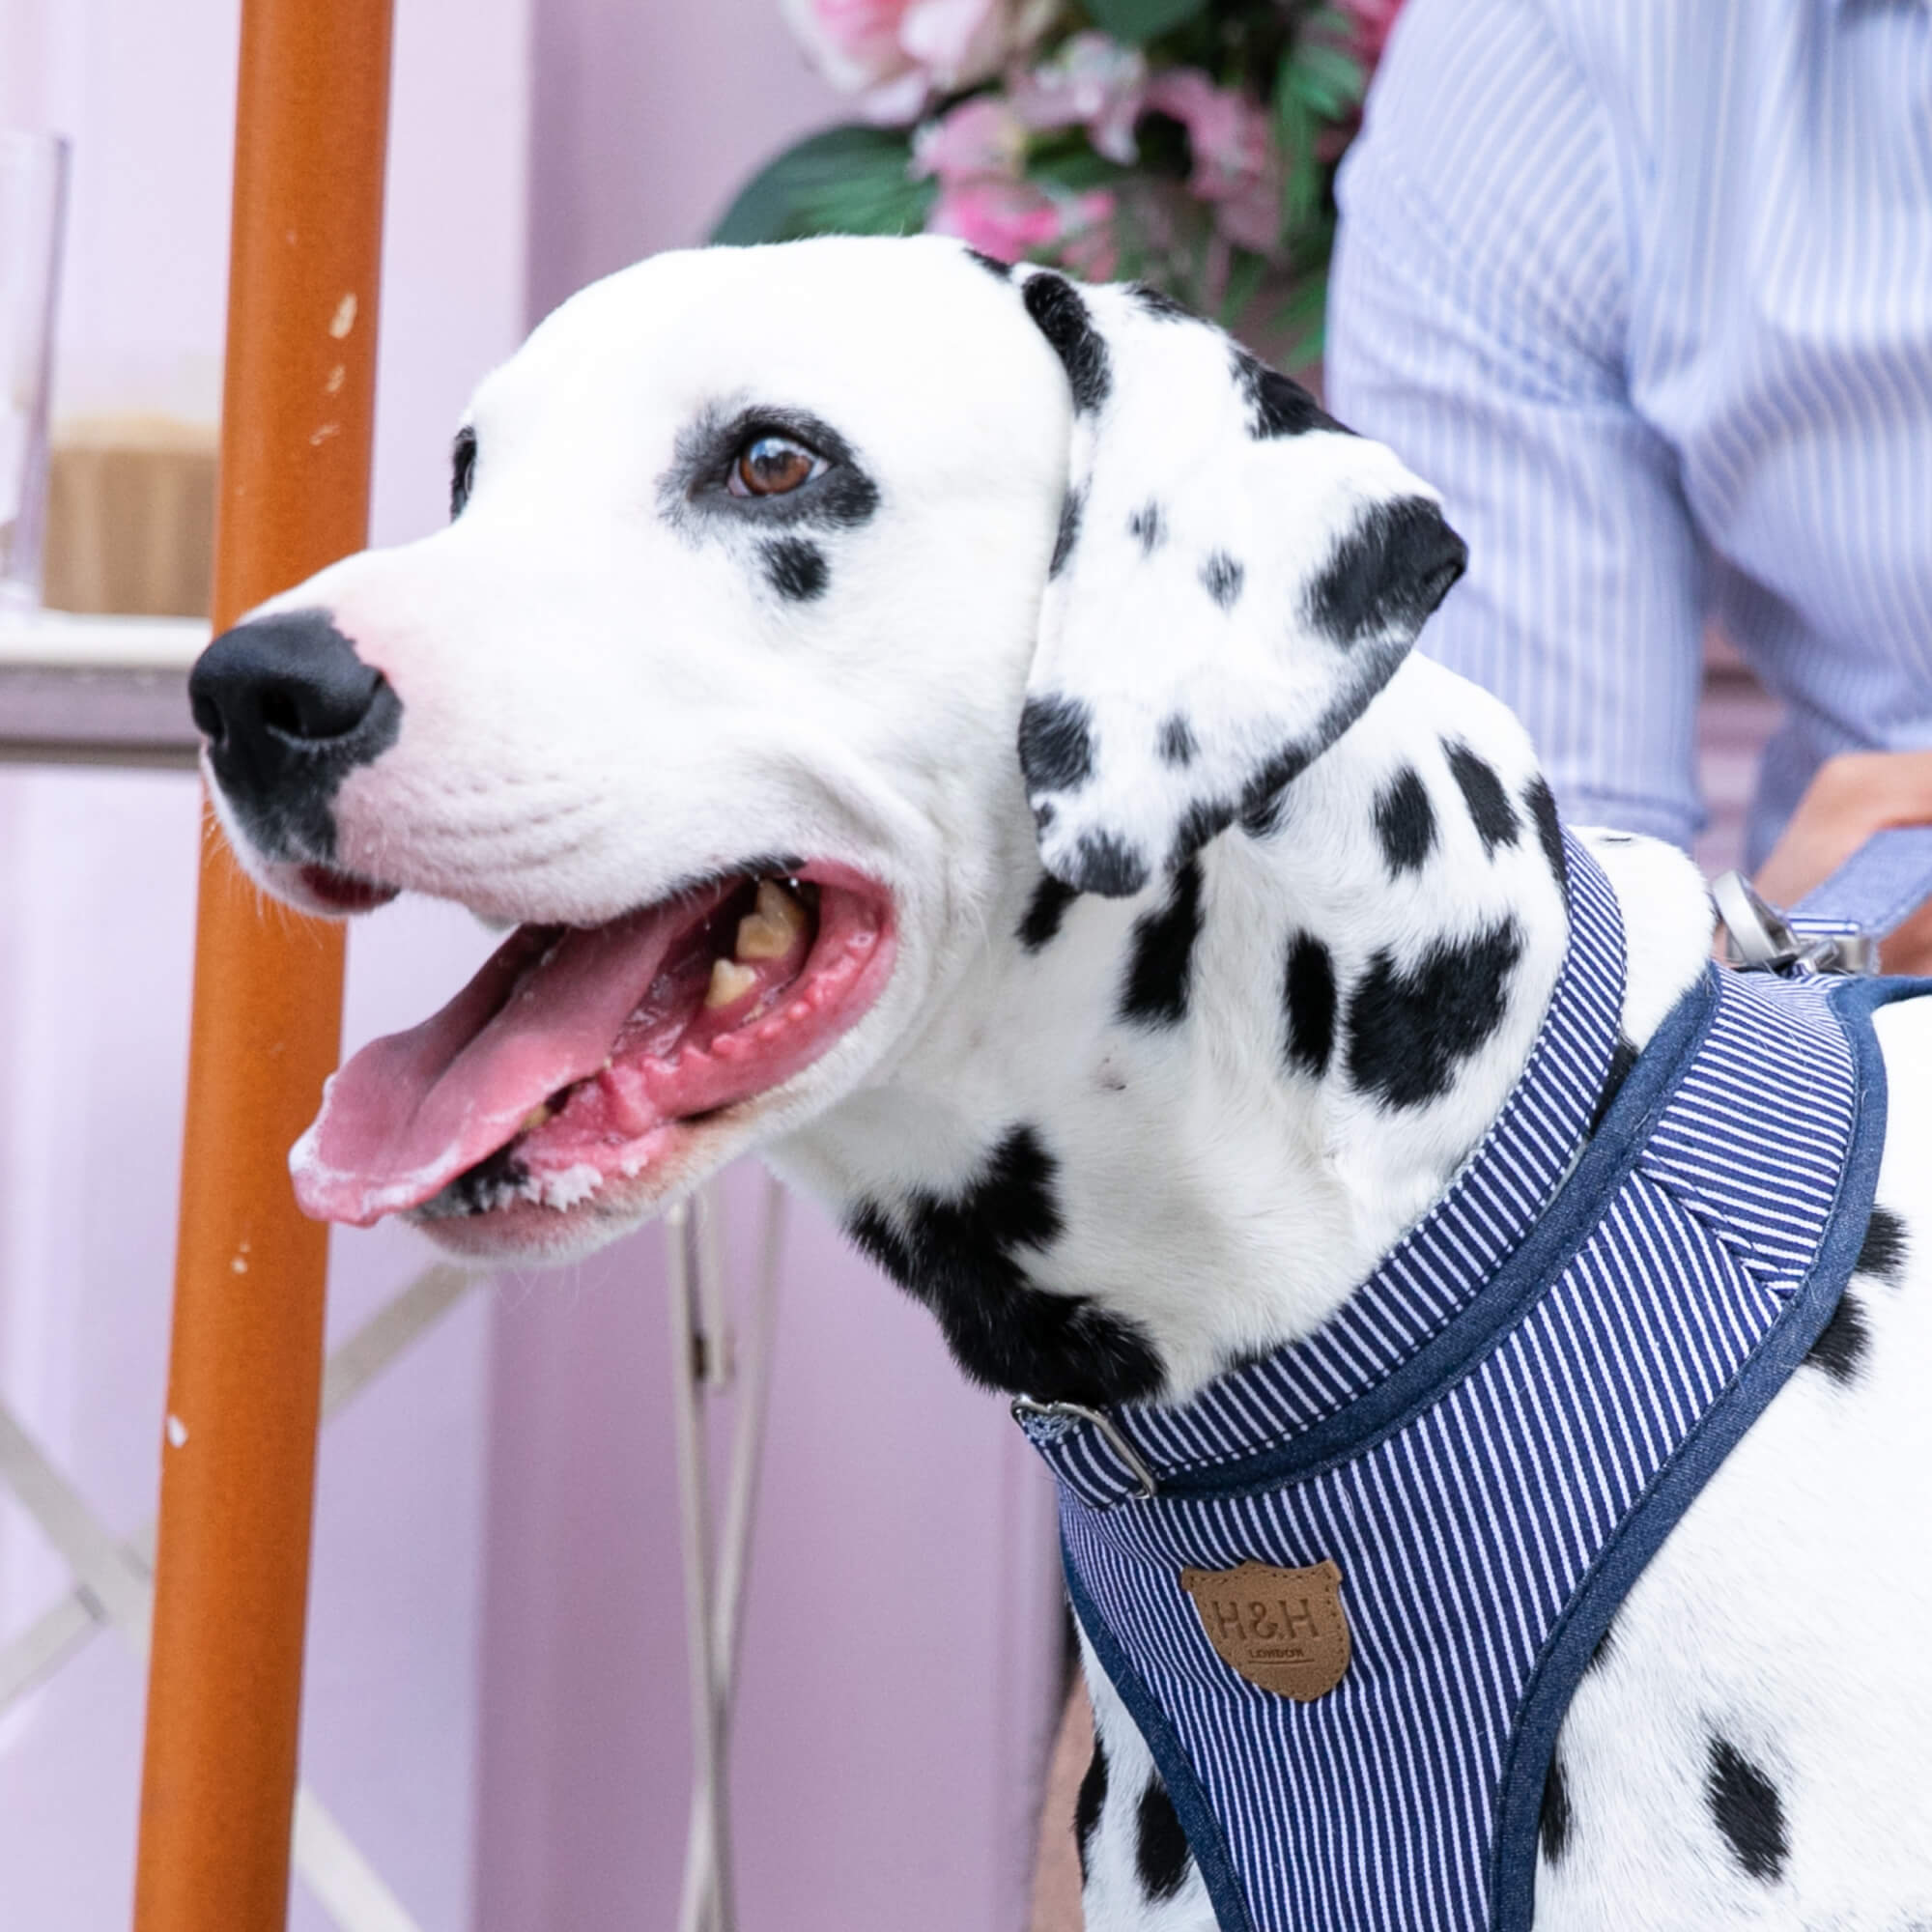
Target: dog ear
(1236, 576)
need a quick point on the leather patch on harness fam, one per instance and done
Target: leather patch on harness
(1285, 1629)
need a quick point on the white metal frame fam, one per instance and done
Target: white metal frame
(707, 1360)
(114, 1587)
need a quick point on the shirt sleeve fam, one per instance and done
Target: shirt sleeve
(1478, 316)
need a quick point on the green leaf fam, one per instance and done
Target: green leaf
(1075, 169)
(845, 180)
(1138, 21)
(1325, 79)
(1301, 173)
(1304, 312)
(1246, 276)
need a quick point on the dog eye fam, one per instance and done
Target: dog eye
(771, 465)
(462, 471)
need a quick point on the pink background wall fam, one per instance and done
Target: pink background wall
(495, 1701)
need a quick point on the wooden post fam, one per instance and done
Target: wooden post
(231, 1580)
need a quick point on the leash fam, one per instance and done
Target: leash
(1838, 926)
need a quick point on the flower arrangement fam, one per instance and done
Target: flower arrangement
(1188, 143)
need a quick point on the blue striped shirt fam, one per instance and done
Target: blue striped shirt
(1645, 287)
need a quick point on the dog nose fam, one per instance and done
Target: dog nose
(288, 710)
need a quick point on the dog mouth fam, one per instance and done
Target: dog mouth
(582, 1056)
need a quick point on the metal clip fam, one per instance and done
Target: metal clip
(1108, 1429)
(1765, 939)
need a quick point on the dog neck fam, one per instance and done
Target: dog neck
(1141, 1140)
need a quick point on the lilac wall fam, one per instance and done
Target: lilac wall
(645, 118)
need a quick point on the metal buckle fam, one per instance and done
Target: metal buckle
(1763, 938)
(1109, 1430)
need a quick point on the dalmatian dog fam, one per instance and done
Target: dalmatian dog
(954, 731)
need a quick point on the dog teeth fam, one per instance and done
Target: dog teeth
(729, 983)
(774, 926)
(536, 1118)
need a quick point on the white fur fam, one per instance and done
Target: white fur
(603, 697)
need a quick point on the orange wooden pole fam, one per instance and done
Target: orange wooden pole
(244, 1372)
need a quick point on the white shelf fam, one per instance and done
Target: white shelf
(112, 691)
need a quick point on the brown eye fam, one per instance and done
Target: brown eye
(772, 465)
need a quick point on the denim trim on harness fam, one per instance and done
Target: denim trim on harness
(1458, 1347)
(1320, 1389)
(1198, 1823)
(1588, 1615)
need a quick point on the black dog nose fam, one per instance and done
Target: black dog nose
(288, 710)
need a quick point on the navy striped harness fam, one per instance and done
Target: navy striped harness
(1488, 1441)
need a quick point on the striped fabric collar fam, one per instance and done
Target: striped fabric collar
(1306, 1393)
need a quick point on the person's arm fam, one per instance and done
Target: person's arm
(1477, 323)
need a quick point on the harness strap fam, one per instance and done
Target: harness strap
(1838, 926)
(1308, 1400)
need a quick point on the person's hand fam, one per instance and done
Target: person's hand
(1852, 796)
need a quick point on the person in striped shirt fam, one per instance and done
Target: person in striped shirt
(1645, 289)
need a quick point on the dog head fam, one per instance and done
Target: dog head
(763, 563)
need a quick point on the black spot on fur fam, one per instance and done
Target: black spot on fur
(1490, 809)
(1160, 1845)
(1087, 1805)
(1410, 1025)
(795, 568)
(1747, 1809)
(1262, 802)
(1158, 302)
(1542, 804)
(1623, 1057)
(1108, 866)
(1554, 1825)
(1176, 741)
(462, 470)
(1221, 576)
(992, 265)
(1155, 993)
(1277, 406)
(1308, 990)
(1063, 319)
(1202, 821)
(1882, 1251)
(1386, 575)
(1056, 743)
(1041, 924)
(1068, 534)
(1405, 822)
(960, 1256)
(1843, 1341)
(1148, 526)
(1264, 818)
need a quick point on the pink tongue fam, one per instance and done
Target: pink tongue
(411, 1112)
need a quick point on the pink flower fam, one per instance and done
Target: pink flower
(1235, 163)
(896, 54)
(980, 136)
(1372, 20)
(1011, 220)
(1092, 82)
